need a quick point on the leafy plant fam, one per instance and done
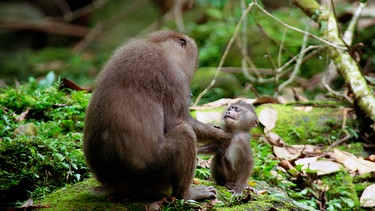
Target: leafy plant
(31, 166)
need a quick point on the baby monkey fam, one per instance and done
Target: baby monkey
(233, 164)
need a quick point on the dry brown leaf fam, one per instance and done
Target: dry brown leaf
(268, 118)
(28, 203)
(203, 163)
(298, 95)
(284, 154)
(352, 162)
(274, 139)
(371, 158)
(368, 196)
(306, 161)
(22, 116)
(209, 116)
(304, 108)
(305, 149)
(322, 167)
(296, 151)
(265, 99)
(286, 165)
(282, 100)
(70, 84)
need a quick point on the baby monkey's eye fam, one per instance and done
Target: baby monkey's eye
(237, 109)
(182, 42)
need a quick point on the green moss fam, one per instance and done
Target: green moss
(312, 125)
(32, 166)
(341, 191)
(80, 197)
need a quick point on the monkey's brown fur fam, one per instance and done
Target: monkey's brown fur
(139, 139)
(232, 166)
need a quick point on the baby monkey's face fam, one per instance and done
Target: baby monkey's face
(240, 117)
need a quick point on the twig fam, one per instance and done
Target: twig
(263, 38)
(347, 136)
(326, 85)
(64, 8)
(348, 34)
(236, 30)
(298, 63)
(44, 25)
(106, 24)
(282, 68)
(279, 57)
(245, 69)
(156, 24)
(177, 8)
(94, 33)
(298, 30)
(279, 54)
(69, 15)
(243, 47)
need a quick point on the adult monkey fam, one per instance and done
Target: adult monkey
(139, 139)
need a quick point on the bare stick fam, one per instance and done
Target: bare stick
(236, 30)
(298, 30)
(44, 25)
(106, 24)
(348, 35)
(299, 61)
(347, 136)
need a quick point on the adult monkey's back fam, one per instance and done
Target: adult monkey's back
(139, 139)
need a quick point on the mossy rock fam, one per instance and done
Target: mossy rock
(79, 197)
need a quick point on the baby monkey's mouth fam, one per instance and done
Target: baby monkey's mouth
(228, 116)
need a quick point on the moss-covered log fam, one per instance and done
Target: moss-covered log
(346, 65)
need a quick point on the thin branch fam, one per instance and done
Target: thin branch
(326, 85)
(348, 35)
(245, 59)
(299, 61)
(282, 68)
(69, 15)
(177, 8)
(90, 37)
(248, 61)
(44, 25)
(64, 8)
(345, 138)
(106, 24)
(236, 30)
(298, 30)
(263, 38)
(279, 55)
